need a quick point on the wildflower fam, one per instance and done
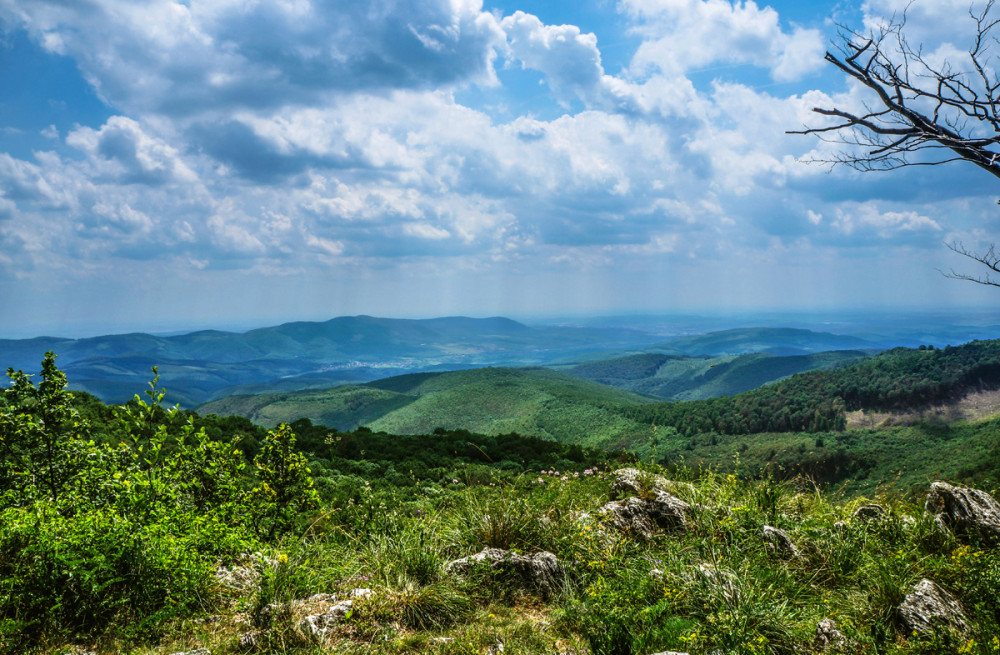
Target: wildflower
(541, 480)
(576, 474)
(282, 558)
(564, 478)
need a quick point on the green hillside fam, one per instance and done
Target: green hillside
(678, 377)
(777, 341)
(537, 402)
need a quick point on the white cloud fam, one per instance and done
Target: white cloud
(182, 58)
(681, 35)
(569, 59)
(120, 148)
(867, 216)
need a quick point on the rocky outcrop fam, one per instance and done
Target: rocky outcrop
(870, 513)
(828, 636)
(928, 609)
(633, 482)
(644, 518)
(967, 513)
(779, 542)
(541, 571)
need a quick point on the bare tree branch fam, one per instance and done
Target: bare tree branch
(922, 108)
(922, 113)
(990, 259)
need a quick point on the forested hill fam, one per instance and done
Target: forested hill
(897, 379)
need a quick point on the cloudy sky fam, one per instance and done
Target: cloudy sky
(187, 163)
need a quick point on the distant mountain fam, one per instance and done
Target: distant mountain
(202, 365)
(534, 401)
(775, 341)
(682, 377)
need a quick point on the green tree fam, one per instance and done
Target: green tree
(286, 487)
(40, 432)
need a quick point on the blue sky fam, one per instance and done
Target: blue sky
(189, 163)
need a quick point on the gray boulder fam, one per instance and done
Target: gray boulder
(964, 512)
(828, 636)
(317, 624)
(929, 608)
(870, 513)
(630, 481)
(644, 518)
(540, 571)
(779, 542)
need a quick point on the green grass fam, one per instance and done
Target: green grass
(620, 596)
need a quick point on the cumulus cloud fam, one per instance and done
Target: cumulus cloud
(180, 58)
(568, 58)
(121, 149)
(282, 139)
(681, 35)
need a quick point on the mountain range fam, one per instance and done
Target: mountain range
(205, 365)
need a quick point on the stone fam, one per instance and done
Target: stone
(250, 640)
(540, 571)
(870, 513)
(828, 636)
(966, 513)
(644, 518)
(318, 624)
(779, 542)
(630, 481)
(929, 608)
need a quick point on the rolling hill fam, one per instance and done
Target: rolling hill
(202, 365)
(682, 377)
(534, 401)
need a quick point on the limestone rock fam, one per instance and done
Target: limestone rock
(630, 481)
(965, 512)
(828, 636)
(779, 542)
(540, 571)
(644, 518)
(250, 640)
(929, 608)
(318, 624)
(870, 513)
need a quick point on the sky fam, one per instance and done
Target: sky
(176, 164)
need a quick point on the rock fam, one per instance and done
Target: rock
(869, 513)
(540, 571)
(828, 636)
(779, 542)
(496, 648)
(967, 513)
(644, 518)
(250, 640)
(929, 608)
(630, 481)
(317, 624)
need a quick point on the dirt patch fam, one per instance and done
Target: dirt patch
(976, 406)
